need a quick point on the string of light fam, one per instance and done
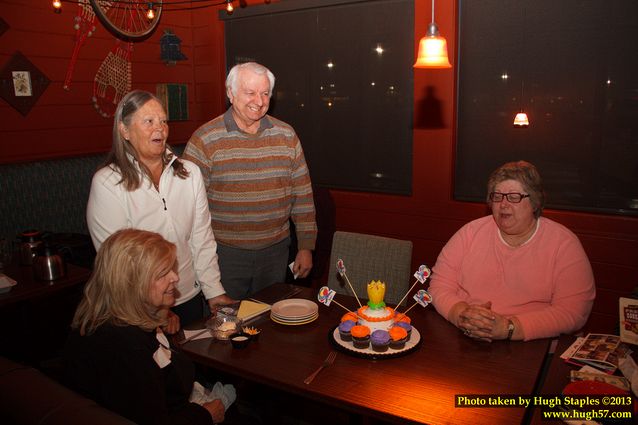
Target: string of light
(166, 6)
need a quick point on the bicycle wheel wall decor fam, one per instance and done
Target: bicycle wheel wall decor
(126, 19)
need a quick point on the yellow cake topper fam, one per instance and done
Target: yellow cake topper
(376, 294)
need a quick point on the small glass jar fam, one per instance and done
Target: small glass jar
(223, 326)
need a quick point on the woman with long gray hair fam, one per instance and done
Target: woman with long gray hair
(144, 185)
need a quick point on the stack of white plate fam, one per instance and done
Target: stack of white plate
(294, 311)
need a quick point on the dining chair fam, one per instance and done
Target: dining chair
(367, 258)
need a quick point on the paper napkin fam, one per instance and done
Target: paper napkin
(226, 393)
(249, 309)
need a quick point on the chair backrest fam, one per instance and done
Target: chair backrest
(367, 258)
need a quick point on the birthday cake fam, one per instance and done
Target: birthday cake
(375, 329)
(376, 315)
(375, 324)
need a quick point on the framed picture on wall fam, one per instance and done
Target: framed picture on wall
(22, 83)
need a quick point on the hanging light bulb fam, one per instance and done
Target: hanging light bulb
(150, 14)
(229, 6)
(432, 48)
(57, 6)
(521, 120)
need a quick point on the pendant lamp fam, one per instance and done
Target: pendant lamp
(432, 48)
(521, 120)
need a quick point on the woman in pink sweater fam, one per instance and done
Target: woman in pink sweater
(514, 274)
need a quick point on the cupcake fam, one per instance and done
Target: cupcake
(380, 340)
(360, 336)
(406, 326)
(402, 318)
(350, 316)
(398, 337)
(344, 330)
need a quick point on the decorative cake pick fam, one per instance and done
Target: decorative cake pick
(421, 275)
(326, 295)
(341, 268)
(422, 297)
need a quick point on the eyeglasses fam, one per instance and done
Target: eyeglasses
(513, 197)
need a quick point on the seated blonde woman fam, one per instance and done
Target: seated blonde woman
(117, 354)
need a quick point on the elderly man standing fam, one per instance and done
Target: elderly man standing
(256, 179)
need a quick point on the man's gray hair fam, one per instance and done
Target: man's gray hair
(231, 80)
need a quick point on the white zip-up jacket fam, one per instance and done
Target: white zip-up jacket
(178, 211)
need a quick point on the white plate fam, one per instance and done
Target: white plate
(304, 319)
(6, 283)
(294, 308)
(302, 322)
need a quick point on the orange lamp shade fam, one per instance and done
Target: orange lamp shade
(432, 53)
(521, 120)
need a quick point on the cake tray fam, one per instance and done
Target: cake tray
(368, 353)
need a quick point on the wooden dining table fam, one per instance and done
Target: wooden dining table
(37, 313)
(28, 288)
(420, 386)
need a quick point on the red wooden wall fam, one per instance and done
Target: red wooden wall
(64, 123)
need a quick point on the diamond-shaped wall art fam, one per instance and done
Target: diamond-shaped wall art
(21, 83)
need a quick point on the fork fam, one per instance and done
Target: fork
(327, 362)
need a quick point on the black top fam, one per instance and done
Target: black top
(115, 367)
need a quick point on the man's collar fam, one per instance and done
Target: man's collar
(231, 124)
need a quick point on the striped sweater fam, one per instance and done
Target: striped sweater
(254, 182)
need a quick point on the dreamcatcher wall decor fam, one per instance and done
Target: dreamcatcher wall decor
(113, 79)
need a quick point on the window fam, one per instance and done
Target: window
(343, 80)
(572, 66)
